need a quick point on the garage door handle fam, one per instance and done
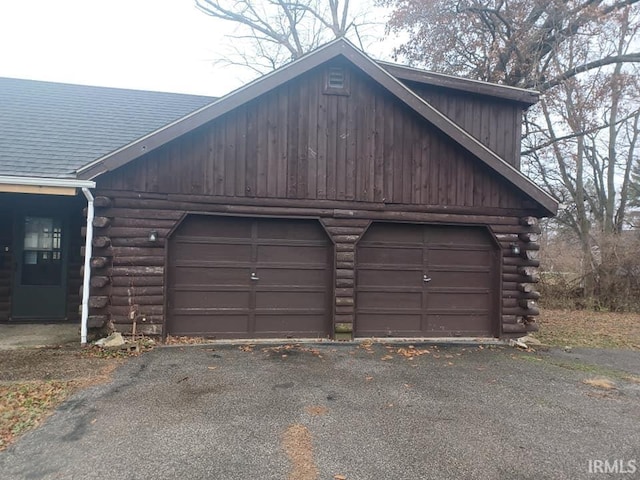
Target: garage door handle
(426, 279)
(254, 276)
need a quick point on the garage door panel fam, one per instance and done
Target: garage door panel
(460, 324)
(209, 275)
(388, 324)
(399, 300)
(458, 257)
(287, 230)
(460, 301)
(207, 298)
(203, 251)
(384, 255)
(452, 279)
(288, 300)
(394, 233)
(203, 324)
(452, 235)
(305, 276)
(376, 277)
(293, 254)
(292, 325)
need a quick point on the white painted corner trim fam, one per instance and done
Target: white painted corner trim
(86, 278)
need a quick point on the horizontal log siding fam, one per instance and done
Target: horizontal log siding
(496, 123)
(133, 276)
(345, 233)
(297, 143)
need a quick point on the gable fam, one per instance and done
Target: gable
(335, 50)
(494, 122)
(297, 142)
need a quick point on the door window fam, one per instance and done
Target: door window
(42, 251)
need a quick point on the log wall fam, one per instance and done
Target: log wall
(128, 281)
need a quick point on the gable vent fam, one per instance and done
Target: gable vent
(336, 78)
(336, 81)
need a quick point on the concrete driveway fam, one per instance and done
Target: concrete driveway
(340, 411)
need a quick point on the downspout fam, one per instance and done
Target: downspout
(88, 244)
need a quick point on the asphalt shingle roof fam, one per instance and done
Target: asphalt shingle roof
(52, 129)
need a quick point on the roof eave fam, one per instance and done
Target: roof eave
(46, 181)
(525, 96)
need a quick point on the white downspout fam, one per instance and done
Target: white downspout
(88, 243)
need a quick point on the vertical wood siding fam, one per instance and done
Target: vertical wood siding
(296, 142)
(496, 123)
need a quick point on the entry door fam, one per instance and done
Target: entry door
(426, 281)
(39, 287)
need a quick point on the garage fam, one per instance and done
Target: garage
(426, 281)
(237, 277)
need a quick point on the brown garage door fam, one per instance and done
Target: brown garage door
(422, 280)
(232, 277)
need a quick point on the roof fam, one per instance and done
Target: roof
(52, 129)
(506, 92)
(337, 48)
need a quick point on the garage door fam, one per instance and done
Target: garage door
(432, 281)
(233, 277)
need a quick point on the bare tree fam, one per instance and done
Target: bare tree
(512, 42)
(580, 141)
(274, 32)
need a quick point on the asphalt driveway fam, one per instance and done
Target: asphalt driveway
(341, 411)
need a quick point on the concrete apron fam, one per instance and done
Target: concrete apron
(38, 335)
(440, 341)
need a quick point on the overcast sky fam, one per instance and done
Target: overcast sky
(165, 45)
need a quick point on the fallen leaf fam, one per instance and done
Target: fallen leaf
(386, 357)
(603, 383)
(316, 410)
(212, 368)
(368, 379)
(339, 477)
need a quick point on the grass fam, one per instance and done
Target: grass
(33, 382)
(584, 328)
(24, 405)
